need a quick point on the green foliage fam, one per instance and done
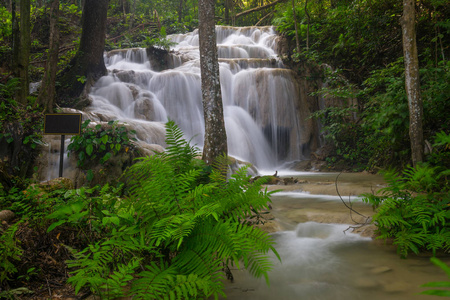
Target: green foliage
(414, 210)
(158, 41)
(173, 233)
(10, 252)
(375, 132)
(99, 144)
(21, 128)
(15, 293)
(439, 284)
(6, 24)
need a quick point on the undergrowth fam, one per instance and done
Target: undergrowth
(414, 209)
(174, 232)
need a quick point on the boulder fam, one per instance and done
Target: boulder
(6, 216)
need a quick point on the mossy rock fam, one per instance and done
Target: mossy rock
(56, 184)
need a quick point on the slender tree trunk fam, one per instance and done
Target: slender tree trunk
(133, 12)
(295, 26)
(88, 65)
(47, 92)
(215, 134)
(124, 9)
(227, 11)
(180, 11)
(24, 51)
(15, 39)
(307, 28)
(412, 83)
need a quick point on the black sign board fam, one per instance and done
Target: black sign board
(62, 124)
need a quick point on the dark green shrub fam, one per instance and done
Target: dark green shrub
(414, 210)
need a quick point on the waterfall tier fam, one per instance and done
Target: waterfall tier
(266, 121)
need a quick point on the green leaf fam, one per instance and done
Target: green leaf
(56, 224)
(89, 149)
(89, 175)
(118, 147)
(441, 293)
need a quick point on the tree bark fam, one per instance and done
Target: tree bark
(307, 28)
(24, 52)
(133, 13)
(228, 7)
(88, 65)
(47, 92)
(412, 83)
(15, 39)
(180, 11)
(215, 135)
(295, 26)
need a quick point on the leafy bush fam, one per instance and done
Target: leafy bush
(414, 210)
(99, 144)
(20, 134)
(174, 233)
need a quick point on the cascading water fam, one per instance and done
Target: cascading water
(264, 119)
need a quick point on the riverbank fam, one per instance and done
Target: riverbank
(339, 203)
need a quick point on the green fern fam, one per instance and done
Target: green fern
(179, 227)
(439, 284)
(414, 210)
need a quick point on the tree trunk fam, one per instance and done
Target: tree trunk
(215, 135)
(295, 26)
(307, 28)
(124, 9)
(412, 83)
(180, 11)
(133, 13)
(47, 92)
(227, 11)
(87, 66)
(24, 52)
(15, 39)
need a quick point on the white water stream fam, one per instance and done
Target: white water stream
(325, 261)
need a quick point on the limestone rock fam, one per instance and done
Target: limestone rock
(56, 184)
(6, 215)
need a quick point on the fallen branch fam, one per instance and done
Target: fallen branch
(258, 8)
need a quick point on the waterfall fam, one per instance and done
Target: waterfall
(265, 120)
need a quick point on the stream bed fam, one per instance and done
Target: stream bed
(322, 258)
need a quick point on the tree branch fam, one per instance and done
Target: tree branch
(258, 8)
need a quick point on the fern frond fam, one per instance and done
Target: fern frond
(154, 283)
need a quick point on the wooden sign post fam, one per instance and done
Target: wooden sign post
(62, 124)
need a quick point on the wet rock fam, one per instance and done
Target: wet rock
(6, 216)
(291, 180)
(144, 109)
(366, 230)
(304, 165)
(380, 270)
(366, 283)
(56, 184)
